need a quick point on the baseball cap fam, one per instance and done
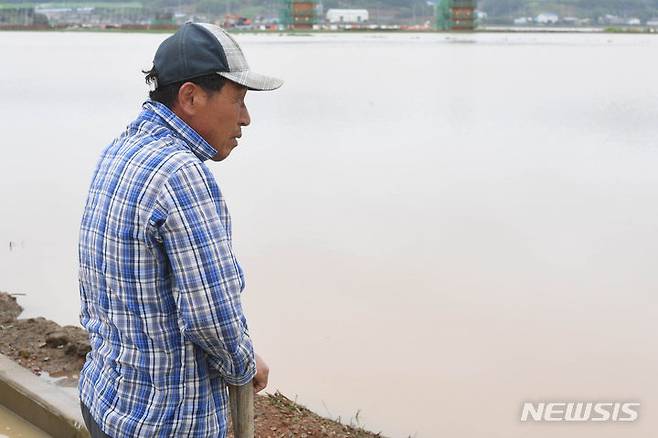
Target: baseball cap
(198, 49)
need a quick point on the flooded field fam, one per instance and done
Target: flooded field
(434, 228)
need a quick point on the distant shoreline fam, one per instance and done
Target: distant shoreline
(308, 32)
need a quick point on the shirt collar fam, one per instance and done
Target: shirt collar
(192, 139)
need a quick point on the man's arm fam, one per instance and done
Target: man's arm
(206, 274)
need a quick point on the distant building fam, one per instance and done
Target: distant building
(547, 18)
(454, 15)
(462, 14)
(633, 22)
(521, 21)
(236, 21)
(611, 19)
(299, 14)
(575, 21)
(348, 16)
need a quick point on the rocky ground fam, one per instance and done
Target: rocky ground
(42, 346)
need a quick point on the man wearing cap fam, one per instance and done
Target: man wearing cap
(159, 282)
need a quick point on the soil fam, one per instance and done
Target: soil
(41, 345)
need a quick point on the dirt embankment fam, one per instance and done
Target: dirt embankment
(39, 344)
(42, 345)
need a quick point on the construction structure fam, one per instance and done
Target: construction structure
(455, 15)
(18, 15)
(297, 14)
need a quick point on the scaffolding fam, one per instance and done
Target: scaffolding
(296, 14)
(455, 15)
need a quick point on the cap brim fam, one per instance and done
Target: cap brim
(253, 81)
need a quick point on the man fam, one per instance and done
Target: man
(159, 282)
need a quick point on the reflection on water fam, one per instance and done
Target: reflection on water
(432, 232)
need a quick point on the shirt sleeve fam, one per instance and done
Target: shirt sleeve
(207, 277)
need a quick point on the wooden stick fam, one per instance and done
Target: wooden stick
(242, 410)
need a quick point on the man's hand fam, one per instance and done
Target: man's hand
(262, 373)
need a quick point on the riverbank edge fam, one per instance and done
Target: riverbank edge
(38, 345)
(40, 403)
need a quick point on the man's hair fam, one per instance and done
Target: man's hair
(168, 94)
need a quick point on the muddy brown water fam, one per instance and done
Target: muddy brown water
(434, 228)
(13, 426)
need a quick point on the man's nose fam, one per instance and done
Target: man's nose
(245, 119)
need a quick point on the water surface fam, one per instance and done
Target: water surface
(13, 426)
(434, 229)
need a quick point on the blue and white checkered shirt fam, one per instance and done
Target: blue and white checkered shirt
(160, 286)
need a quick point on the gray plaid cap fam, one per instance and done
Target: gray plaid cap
(237, 64)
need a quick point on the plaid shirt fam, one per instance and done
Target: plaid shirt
(160, 286)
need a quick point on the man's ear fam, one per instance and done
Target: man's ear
(189, 99)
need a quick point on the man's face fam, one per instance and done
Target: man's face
(221, 118)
